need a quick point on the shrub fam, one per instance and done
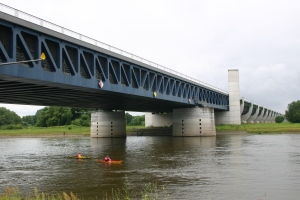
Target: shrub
(279, 119)
(293, 112)
(12, 127)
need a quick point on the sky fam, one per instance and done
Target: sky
(199, 38)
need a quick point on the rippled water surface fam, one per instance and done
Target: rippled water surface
(222, 167)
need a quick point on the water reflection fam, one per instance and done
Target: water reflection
(222, 167)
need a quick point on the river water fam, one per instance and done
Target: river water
(222, 167)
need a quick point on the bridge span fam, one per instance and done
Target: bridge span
(83, 72)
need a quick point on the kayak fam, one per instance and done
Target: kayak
(111, 162)
(83, 157)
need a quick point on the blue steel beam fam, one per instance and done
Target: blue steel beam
(73, 70)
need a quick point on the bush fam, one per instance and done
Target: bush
(293, 112)
(279, 119)
(12, 127)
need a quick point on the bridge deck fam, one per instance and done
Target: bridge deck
(73, 71)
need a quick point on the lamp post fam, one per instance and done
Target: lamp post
(42, 57)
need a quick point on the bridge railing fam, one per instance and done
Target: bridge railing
(25, 16)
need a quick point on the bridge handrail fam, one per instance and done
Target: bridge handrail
(27, 17)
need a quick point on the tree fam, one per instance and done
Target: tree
(293, 112)
(8, 117)
(60, 116)
(128, 118)
(138, 120)
(28, 120)
(54, 116)
(78, 112)
(84, 120)
(279, 119)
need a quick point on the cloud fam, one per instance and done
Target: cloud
(22, 110)
(201, 39)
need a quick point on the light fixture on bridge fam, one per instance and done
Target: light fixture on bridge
(42, 57)
(154, 94)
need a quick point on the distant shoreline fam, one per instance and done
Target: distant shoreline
(74, 131)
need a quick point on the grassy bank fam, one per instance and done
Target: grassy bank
(85, 131)
(133, 128)
(148, 191)
(55, 131)
(14, 193)
(43, 131)
(285, 127)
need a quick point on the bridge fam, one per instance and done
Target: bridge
(82, 72)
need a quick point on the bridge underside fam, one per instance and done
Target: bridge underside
(79, 74)
(16, 90)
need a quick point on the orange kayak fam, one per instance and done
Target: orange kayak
(111, 162)
(83, 157)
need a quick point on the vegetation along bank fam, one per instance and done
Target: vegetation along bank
(59, 121)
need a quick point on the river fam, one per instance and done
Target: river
(222, 167)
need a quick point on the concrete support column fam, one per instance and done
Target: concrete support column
(270, 117)
(233, 116)
(254, 116)
(108, 124)
(234, 96)
(267, 120)
(196, 121)
(246, 116)
(158, 120)
(242, 106)
(263, 120)
(261, 116)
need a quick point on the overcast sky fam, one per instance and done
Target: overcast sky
(199, 38)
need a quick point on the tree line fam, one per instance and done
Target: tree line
(61, 116)
(56, 116)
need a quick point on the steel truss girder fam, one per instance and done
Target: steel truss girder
(75, 65)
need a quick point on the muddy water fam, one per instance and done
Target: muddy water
(222, 167)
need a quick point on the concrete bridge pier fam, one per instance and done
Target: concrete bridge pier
(233, 116)
(254, 115)
(270, 118)
(260, 115)
(263, 120)
(158, 119)
(196, 121)
(247, 115)
(108, 124)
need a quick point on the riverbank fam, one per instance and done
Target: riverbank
(264, 128)
(48, 131)
(56, 131)
(142, 131)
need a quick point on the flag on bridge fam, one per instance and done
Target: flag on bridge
(101, 84)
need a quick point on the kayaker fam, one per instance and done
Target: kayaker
(107, 159)
(79, 155)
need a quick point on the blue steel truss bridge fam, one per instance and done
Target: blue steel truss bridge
(83, 72)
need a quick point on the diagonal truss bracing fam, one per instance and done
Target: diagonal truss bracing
(71, 63)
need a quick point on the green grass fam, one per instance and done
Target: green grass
(284, 127)
(133, 128)
(149, 191)
(56, 131)
(42, 131)
(14, 193)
